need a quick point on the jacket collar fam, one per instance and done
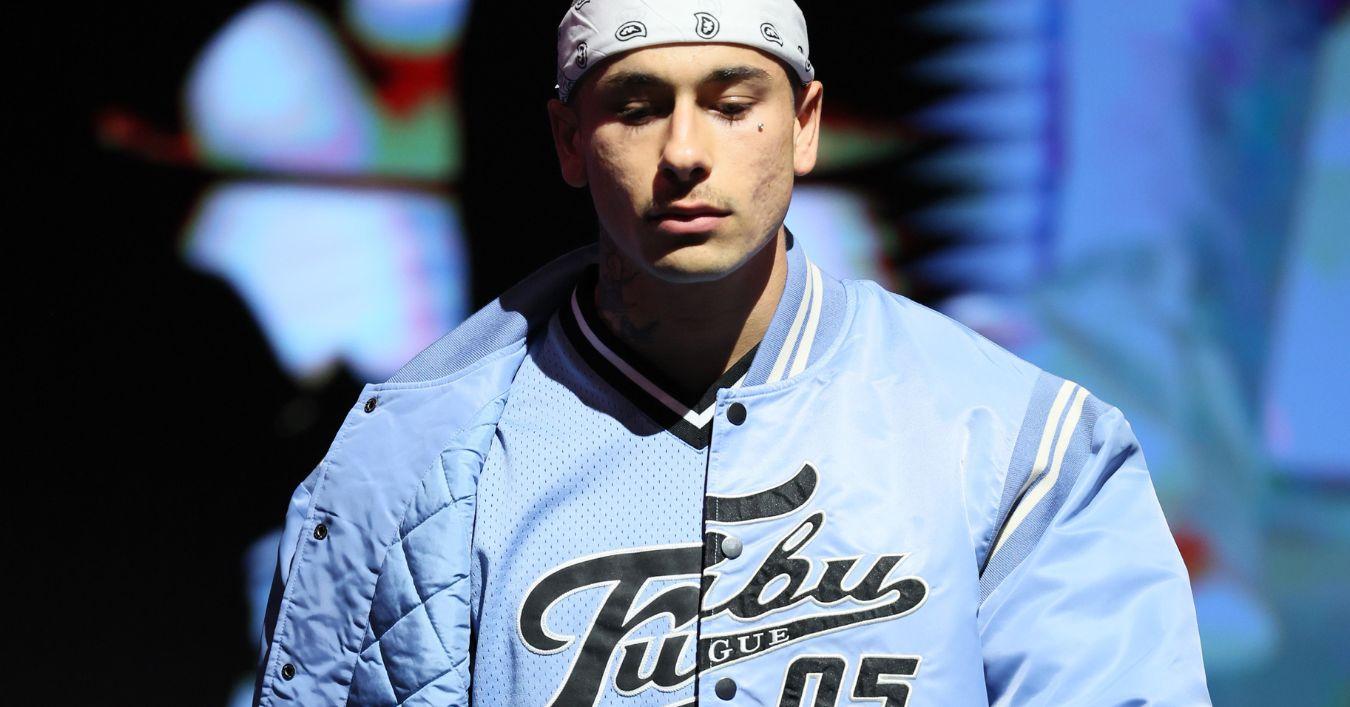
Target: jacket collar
(804, 324)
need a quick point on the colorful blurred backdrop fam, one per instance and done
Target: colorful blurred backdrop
(272, 202)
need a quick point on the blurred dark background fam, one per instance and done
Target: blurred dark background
(261, 205)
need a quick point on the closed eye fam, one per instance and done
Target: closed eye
(634, 112)
(733, 112)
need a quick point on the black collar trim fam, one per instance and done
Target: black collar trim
(637, 380)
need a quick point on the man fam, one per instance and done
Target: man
(688, 466)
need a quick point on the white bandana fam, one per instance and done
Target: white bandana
(593, 30)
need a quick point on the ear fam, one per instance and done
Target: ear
(567, 141)
(806, 131)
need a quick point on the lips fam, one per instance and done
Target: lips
(688, 211)
(685, 219)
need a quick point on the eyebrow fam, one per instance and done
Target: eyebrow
(639, 79)
(730, 74)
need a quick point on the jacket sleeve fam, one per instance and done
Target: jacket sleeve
(1084, 597)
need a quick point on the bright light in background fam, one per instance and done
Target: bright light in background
(407, 26)
(365, 276)
(362, 277)
(273, 90)
(838, 229)
(1309, 389)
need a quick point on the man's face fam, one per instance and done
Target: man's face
(685, 184)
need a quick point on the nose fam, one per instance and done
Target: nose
(685, 158)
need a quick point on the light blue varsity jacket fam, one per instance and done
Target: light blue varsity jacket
(926, 520)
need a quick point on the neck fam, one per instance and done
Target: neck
(691, 332)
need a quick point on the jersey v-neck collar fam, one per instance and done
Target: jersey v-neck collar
(808, 318)
(641, 383)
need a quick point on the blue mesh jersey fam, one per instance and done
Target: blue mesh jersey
(876, 505)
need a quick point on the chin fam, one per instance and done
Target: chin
(704, 262)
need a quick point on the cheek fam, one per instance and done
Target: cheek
(771, 172)
(614, 169)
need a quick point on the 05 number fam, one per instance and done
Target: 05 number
(879, 678)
